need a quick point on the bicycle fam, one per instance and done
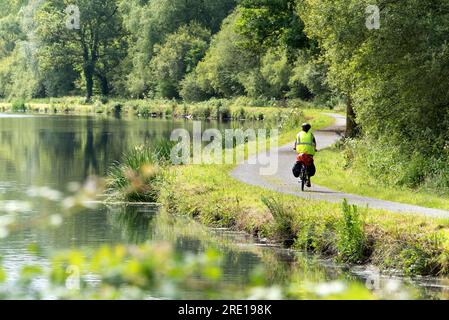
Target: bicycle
(303, 162)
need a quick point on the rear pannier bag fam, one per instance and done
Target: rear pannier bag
(297, 169)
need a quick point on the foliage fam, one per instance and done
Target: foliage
(269, 24)
(221, 70)
(19, 106)
(282, 218)
(351, 238)
(358, 169)
(393, 77)
(156, 270)
(94, 50)
(176, 57)
(148, 49)
(139, 176)
(150, 22)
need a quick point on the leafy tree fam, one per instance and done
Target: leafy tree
(339, 28)
(268, 24)
(10, 35)
(12, 7)
(178, 56)
(395, 77)
(276, 71)
(19, 72)
(226, 67)
(95, 49)
(309, 79)
(150, 22)
(275, 31)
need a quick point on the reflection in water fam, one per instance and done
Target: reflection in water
(135, 222)
(241, 258)
(55, 150)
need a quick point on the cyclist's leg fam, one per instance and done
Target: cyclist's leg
(309, 182)
(311, 171)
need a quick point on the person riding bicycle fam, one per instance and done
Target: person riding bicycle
(306, 144)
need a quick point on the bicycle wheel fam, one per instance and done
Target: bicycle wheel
(303, 178)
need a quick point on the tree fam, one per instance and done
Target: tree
(339, 27)
(150, 22)
(227, 68)
(11, 7)
(276, 72)
(274, 30)
(178, 56)
(19, 70)
(395, 78)
(95, 48)
(267, 24)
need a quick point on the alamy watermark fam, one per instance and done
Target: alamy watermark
(73, 280)
(373, 18)
(73, 17)
(215, 147)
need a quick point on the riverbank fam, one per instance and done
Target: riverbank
(216, 109)
(414, 244)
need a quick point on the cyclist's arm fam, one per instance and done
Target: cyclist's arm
(296, 142)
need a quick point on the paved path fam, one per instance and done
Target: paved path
(284, 181)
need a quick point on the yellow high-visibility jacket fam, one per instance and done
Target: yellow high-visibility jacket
(305, 143)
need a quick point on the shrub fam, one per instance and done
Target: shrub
(351, 239)
(19, 106)
(282, 219)
(139, 176)
(116, 108)
(191, 89)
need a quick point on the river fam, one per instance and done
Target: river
(58, 151)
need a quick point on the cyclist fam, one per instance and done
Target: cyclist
(306, 144)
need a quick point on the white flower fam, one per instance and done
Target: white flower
(261, 293)
(330, 288)
(56, 220)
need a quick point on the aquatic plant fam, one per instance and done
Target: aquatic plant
(139, 176)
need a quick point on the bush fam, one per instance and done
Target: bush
(116, 108)
(384, 161)
(19, 106)
(191, 90)
(351, 240)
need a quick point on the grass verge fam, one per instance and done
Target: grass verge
(334, 174)
(218, 109)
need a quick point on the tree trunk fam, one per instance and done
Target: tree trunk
(89, 75)
(351, 124)
(104, 85)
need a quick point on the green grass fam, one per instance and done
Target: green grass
(331, 173)
(137, 177)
